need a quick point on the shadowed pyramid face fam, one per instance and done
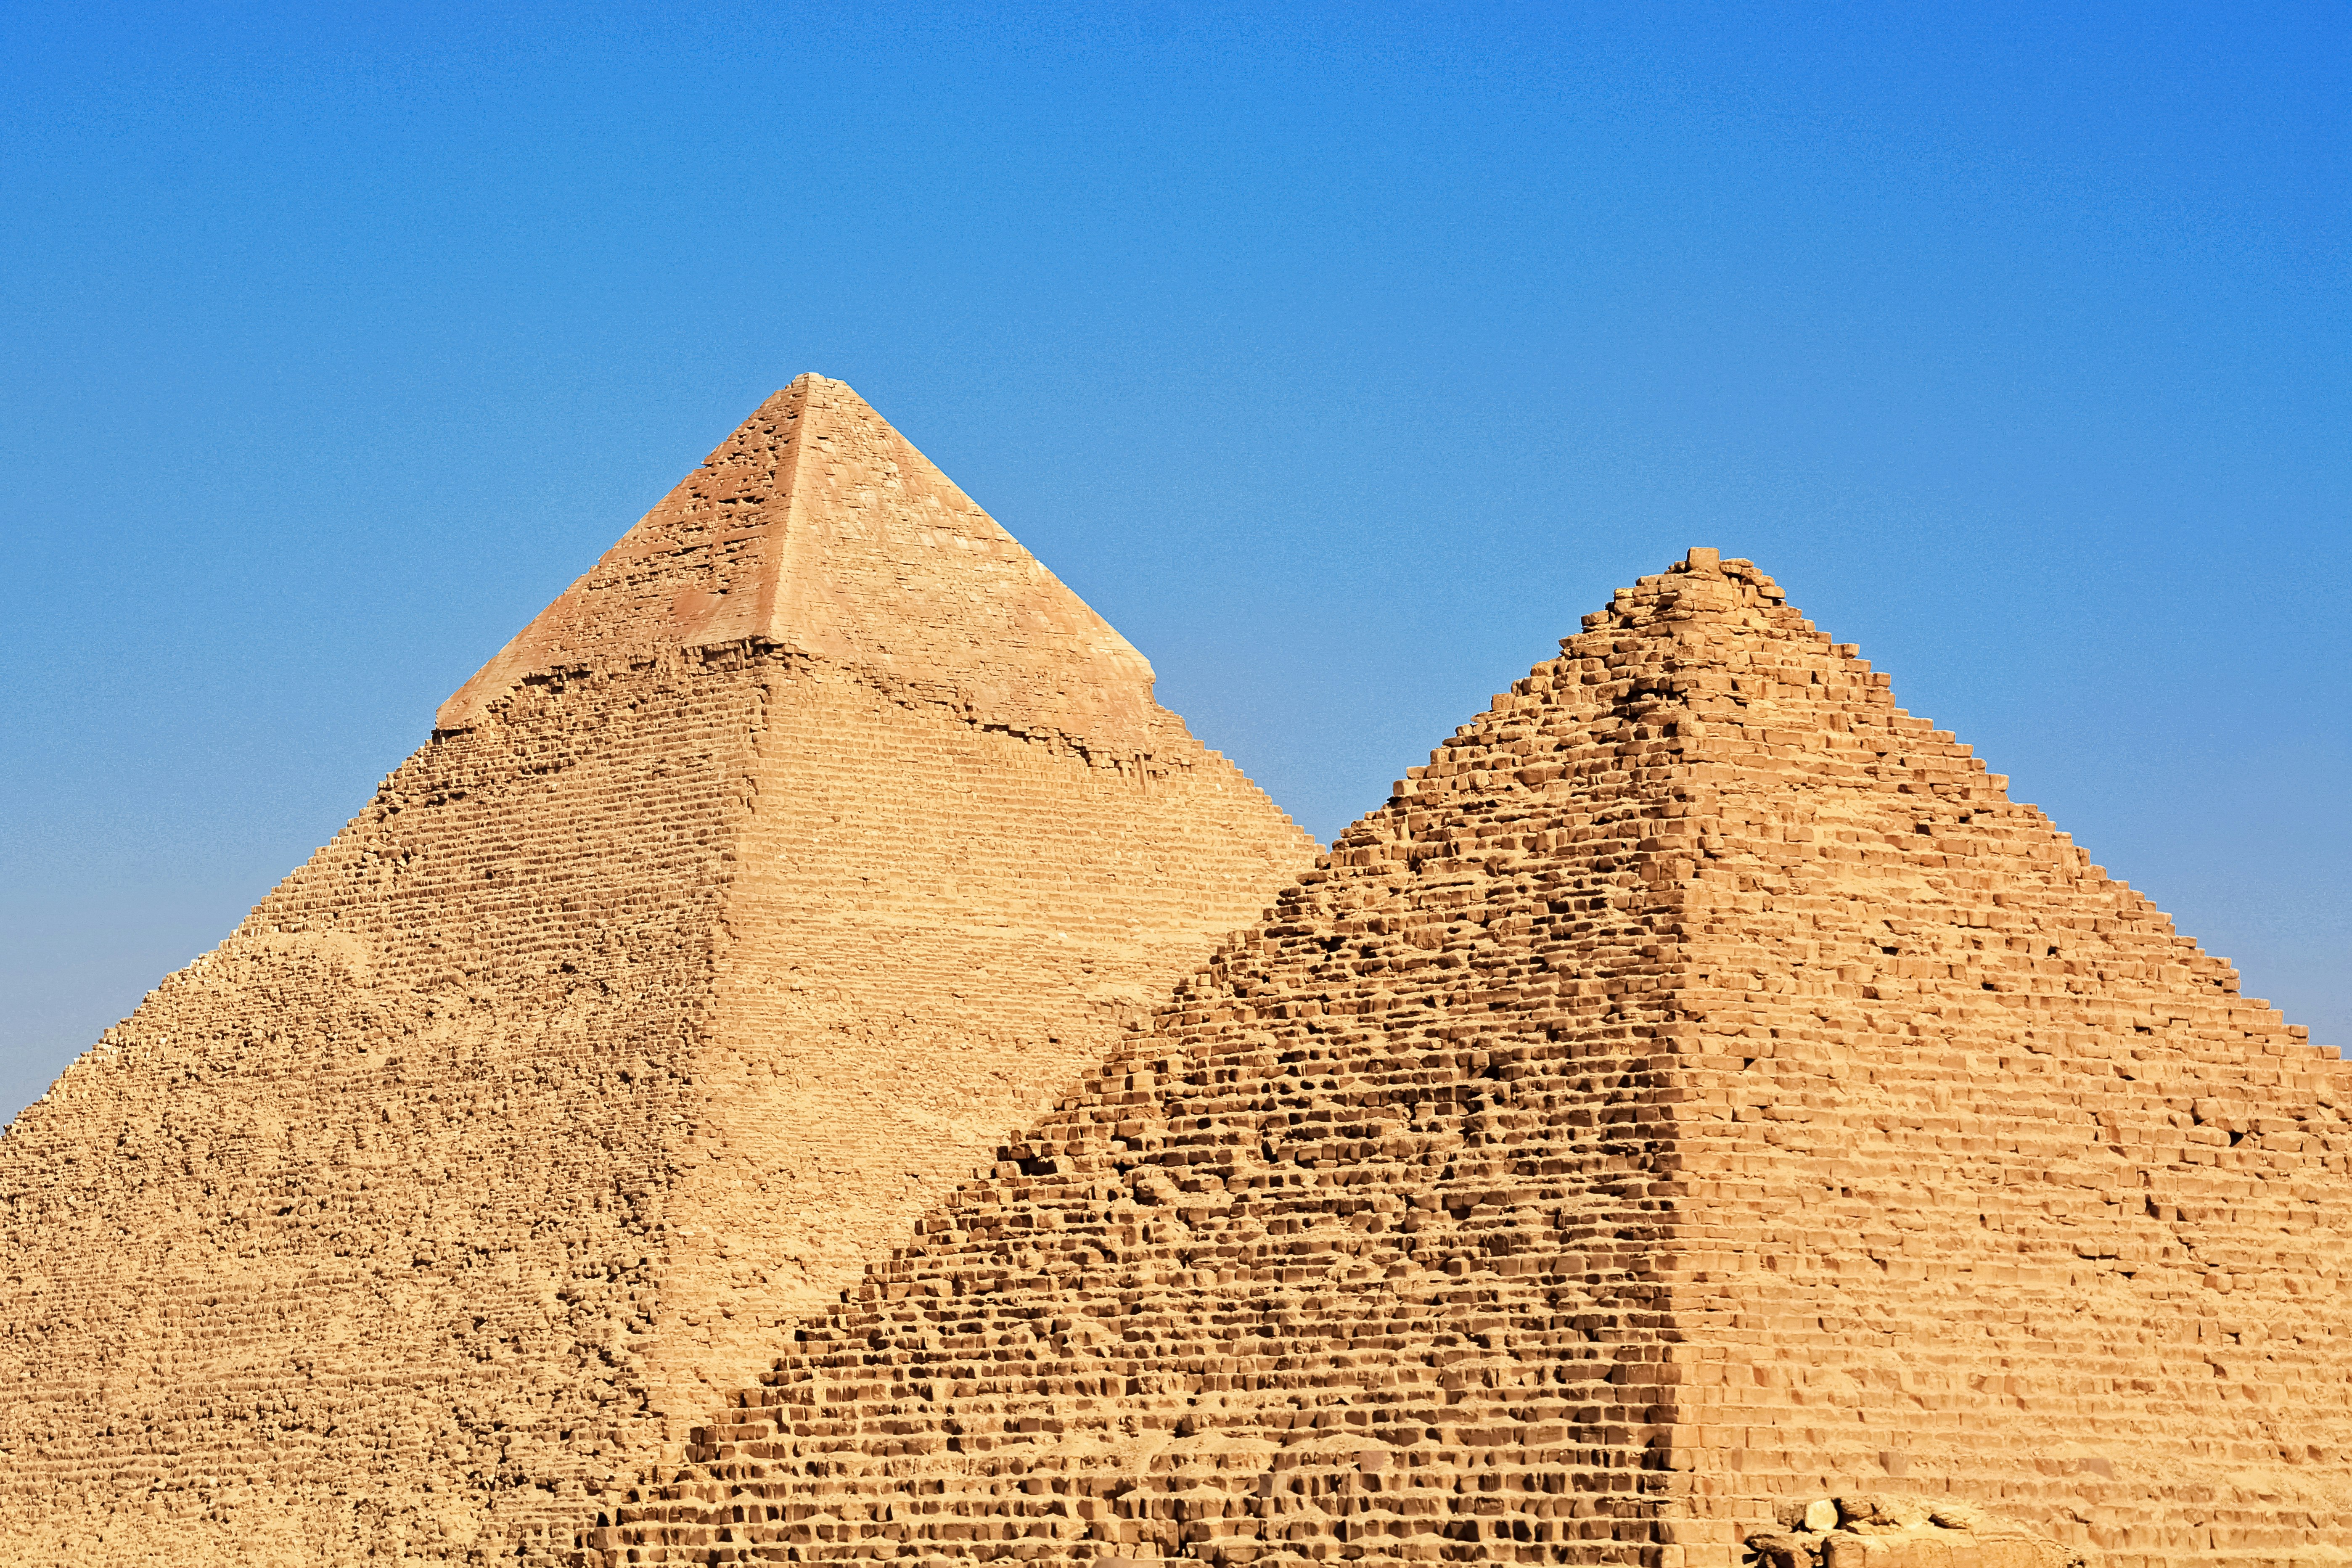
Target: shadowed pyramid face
(1698, 1087)
(779, 869)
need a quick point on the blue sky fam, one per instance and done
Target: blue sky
(1342, 357)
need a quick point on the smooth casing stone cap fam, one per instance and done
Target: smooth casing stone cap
(820, 530)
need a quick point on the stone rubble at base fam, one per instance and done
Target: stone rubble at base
(1896, 1530)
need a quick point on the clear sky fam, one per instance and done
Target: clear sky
(1342, 357)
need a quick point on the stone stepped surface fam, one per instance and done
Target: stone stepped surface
(1699, 1088)
(1993, 1177)
(684, 966)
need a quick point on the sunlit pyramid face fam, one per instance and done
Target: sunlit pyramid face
(1699, 1114)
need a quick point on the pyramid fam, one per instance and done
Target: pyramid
(1699, 1095)
(786, 864)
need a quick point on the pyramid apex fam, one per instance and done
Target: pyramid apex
(818, 529)
(1700, 555)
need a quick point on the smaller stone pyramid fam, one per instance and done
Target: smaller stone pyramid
(1700, 1091)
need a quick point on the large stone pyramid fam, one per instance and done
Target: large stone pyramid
(783, 867)
(1700, 1091)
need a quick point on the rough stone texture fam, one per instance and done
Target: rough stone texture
(1699, 1089)
(780, 867)
(1898, 1530)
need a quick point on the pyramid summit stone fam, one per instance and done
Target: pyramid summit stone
(780, 869)
(817, 529)
(1699, 1120)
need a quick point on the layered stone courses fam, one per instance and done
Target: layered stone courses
(679, 971)
(1700, 1090)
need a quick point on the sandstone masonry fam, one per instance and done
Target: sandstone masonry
(782, 865)
(1699, 1099)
